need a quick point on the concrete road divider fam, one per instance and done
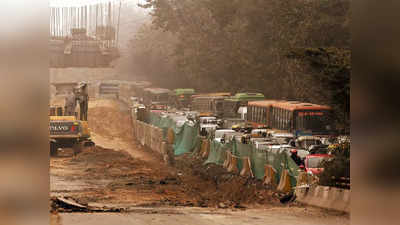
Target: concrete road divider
(324, 197)
(152, 138)
(305, 178)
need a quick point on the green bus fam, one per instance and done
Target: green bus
(244, 98)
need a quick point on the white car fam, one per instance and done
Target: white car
(228, 133)
(282, 138)
(208, 123)
(208, 127)
(263, 145)
(282, 135)
(208, 120)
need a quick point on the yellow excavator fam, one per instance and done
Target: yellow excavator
(68, 125)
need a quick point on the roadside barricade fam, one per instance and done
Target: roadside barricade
(246, 168)
(233, 165)
(273, 166)
(270, 176)
(284, 182)
(324, 197)
(227, 161)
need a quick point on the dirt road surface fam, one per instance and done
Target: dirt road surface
(119, 173)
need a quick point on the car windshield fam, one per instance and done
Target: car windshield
(210, 122)
(314, 162)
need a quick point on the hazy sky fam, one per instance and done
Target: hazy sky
(85, 2)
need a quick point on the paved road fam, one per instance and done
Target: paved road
(200, 216)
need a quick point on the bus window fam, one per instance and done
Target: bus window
(269, 116)
(253, 118)
(287, 120)
(253, 114)
(261, 115)
(273, 118)
(280, 119)
(264, 115)
(248, 113)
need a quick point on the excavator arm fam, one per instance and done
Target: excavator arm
(82, 97)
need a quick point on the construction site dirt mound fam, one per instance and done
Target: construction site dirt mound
(219, 188)
(118, 178)
(107, 120)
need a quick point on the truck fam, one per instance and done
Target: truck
(181, 97)
(68, 125)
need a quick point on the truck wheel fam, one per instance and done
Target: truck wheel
(53, 149)
(77, 147)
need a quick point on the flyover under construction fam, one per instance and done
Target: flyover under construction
(84, 35)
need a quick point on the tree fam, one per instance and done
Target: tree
(232, 45)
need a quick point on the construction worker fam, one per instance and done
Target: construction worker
(295, 157)
(70, 104)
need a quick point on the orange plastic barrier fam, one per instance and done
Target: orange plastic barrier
(284, 183)
(233, 164)
(205, 148)
(227, 161)
(246, 169)
(270, 176)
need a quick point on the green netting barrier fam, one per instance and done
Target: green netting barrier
(293, 170)
(277, 158)
(187, 139)
(241, 150)
(218, 152)
(163, 122)
(186, 136)
(258, 159)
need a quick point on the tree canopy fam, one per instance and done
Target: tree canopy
(290, 49)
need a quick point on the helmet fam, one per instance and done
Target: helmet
(293, 151)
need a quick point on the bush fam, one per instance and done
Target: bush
(337, 168)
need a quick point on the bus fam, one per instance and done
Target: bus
(259, 113)
(244, 98)
(302, 118)
(156, 95)
(299, 118)
(209, 104)
(181, 97)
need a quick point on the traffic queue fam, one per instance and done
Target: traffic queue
(305, 130)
